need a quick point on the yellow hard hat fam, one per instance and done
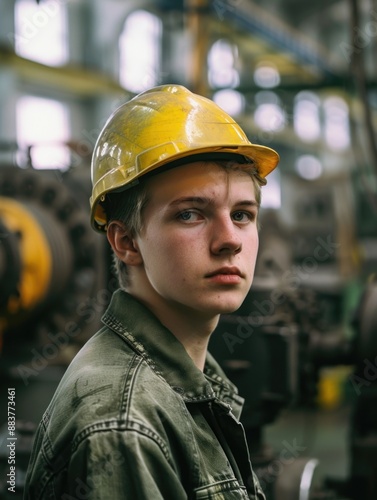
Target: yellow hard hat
(158, 127)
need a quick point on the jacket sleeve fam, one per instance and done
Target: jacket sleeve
(127, 465)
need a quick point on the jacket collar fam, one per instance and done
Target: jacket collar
(130, 319)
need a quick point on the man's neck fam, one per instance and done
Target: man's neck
(192, 330)
(194, 335)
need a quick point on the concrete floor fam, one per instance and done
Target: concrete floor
(314, 433)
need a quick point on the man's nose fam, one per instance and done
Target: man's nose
(225, 237)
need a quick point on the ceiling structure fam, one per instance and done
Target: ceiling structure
(325, 46)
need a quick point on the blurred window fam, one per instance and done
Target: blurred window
(269, 114)
(140, 51)
(309, 167)
(222, 58)
(271, 192)
(231, 101)
(336, 123)
(266, 75)
(41, 32)
(306, 116)
(44, 125)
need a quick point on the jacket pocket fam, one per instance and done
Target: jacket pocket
(222, 490)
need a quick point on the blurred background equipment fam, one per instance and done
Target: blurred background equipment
(299, 77)
(50, 258)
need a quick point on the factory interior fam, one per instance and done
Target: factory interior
(299, 77)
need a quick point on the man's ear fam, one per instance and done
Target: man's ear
(123, 244)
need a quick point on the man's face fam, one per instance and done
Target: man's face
(199, 239)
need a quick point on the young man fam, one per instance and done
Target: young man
(143, 411)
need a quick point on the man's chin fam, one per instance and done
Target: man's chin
(229, 307)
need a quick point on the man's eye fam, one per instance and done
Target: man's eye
(188, 215)
(185, 215)
(242, 216)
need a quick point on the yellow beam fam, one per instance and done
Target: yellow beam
(198, 32)
(68, 78)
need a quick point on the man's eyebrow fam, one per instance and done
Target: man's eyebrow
(248, 203)
(207, 201)
(193, 199)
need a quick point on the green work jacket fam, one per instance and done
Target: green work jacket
(133, 418)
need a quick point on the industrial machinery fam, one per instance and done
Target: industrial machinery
(50, 261)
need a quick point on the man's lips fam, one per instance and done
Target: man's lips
(232, 271)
